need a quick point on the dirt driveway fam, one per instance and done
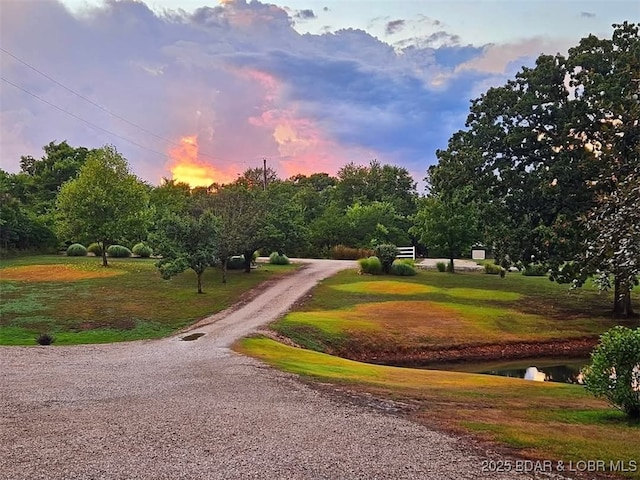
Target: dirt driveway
(170, 409)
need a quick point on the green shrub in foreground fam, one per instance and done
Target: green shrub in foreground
(276, 259)
(371, 265)
(441, 266)
(95, 248)
(614, 371)
(118, 251)
(387, 254)
(76, 250)
(142, 250)
(402, 268)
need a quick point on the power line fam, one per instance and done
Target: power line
(83, 120)
(119, 117)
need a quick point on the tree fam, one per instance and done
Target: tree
(20, 229)
(41, 179)
(541, 153)
(105, 203)
(614, 371)
(614, 251)
(241, 217)
(187, 241)
(448, 224)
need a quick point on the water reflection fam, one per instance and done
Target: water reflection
(548, 370)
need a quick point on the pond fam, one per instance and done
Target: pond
(542, 369)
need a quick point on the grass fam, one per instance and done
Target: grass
(374, 318)
(79, 301)
(537, 420)
(356, 316)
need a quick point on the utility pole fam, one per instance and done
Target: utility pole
(264, 173)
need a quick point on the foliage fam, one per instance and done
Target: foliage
(614, 372)
(45, 339)
(402, 268)
(448, 223)
(187, 242)
(76, 250)
(95, 248)
(371, 265)
(278, 259)
(494, 269)
(20, 228)
(118, 251)
(39, 180)
(441, 266)
(546, 158)
(104, 203)
(386, 253)
(142, 250)
(341, 252)
(535, 270)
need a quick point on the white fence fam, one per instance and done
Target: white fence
(406, 252)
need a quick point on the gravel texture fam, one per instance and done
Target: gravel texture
(172, 409)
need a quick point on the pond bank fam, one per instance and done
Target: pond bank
(568, 348)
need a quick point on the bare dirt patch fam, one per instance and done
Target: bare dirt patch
(54, 273)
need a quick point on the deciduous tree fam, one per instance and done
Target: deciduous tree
(105, 203)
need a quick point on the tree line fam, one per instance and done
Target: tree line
(546, 172)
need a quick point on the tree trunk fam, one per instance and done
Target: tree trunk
(199, 281)
(248, 255)
(622, 307)
(224, 270)
(104, 254)
(451, 268)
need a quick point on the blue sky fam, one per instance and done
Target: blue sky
(200, 91)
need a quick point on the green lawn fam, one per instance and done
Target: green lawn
(79, 301)
(380, 318)
(349, 314)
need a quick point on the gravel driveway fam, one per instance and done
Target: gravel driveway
(170, 409)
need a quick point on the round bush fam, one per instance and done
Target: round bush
(276, 259)
(76, 250)
(142, 250)
(118, 251)
(441, 266)
(614, 372)
(95, 248)
(402, 269)
(371, 265)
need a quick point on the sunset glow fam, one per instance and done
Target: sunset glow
(188, 168)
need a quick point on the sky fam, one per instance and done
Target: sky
(199, 90)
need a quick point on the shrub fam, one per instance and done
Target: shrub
(535, 270)
(95, 248)
(403, 268)
(340, 252)
(76, 250)
(142, 250)
(387, 254)
(441, 266)
(236, 262)
(614, 372)
(118, 251)
(493, 269)
(45, 338)
(371, 265)
(276, 259)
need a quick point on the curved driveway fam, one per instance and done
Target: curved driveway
(169, 409)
